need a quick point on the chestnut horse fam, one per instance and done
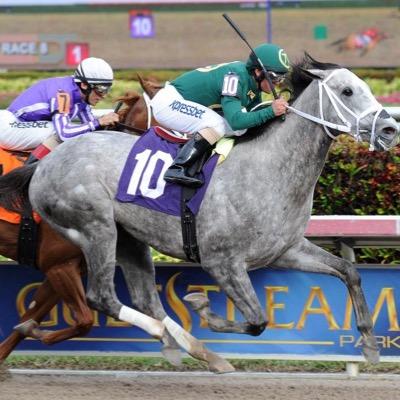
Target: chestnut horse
(61, 262)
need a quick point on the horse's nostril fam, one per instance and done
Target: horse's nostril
(389, 130)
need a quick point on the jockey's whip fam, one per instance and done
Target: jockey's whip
(241, 35)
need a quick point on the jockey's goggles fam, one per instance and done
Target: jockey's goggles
(101, 89)
(276, 79)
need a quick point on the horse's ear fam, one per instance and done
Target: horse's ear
(314, 73)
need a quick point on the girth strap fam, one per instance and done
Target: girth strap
(28, 238)
(188, 219)
(188, 223)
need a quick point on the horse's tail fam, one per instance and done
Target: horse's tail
(14, 188)
(149, 86)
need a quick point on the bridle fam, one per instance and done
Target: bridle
(337, 104)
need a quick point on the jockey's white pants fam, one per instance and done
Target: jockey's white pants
(172, 111)
(22, 136)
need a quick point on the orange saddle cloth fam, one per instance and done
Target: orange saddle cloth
(8, 162)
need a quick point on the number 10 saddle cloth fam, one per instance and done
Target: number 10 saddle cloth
(142, 179)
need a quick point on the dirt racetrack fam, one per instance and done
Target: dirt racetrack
(188, 386)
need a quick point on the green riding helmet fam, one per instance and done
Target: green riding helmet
(273, 57)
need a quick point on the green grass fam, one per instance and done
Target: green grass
(129, 363)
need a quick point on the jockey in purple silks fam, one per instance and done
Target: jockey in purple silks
(41, 117)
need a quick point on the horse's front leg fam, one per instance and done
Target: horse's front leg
(135, 260)
(234, 280)
(99, 247)
(306, 256)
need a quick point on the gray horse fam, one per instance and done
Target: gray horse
(254, 212)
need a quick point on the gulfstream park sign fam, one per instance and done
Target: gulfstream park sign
(309, 314)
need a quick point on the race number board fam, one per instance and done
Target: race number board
(75, 53)
(141, 24)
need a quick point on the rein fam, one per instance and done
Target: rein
(336, 102)
(130, 128)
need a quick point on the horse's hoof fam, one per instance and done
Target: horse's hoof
(256, 330)
(370, 350)
(197, 300)
(172, 355)
(219, 365)
(25, 328)
(371, 354)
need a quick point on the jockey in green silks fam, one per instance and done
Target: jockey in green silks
(183, 104)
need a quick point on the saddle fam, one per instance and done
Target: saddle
(28, 221)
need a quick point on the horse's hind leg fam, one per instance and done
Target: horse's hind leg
(234, 280)
(67, 281)
(44, 299)
(140, 277)
(311, 258)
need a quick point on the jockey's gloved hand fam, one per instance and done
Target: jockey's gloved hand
(109, 119)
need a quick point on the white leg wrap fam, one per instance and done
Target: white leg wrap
(183, 338)
(152, 326)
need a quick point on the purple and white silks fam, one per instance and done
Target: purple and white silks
(39, 103)
(142, 179)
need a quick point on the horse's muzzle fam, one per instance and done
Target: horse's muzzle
(387, 134)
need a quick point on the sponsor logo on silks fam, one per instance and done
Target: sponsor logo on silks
(251, 94)
(284, 58)
(30, 124)
(187, 109)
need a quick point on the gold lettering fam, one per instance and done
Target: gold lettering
(230, 310)
(206, 289)
(348, 314)
(272, 306)
(177, 305)
(316, 292)
(21, 308)
(387, 295)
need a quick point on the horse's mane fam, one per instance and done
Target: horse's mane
(298, 80)
(129, 100)
(150, 85)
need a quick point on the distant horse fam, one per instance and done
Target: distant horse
(363, 41)
(249, 218)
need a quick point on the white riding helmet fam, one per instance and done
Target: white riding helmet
(95, 72)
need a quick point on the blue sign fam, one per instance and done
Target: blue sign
(141, 24)
(309, 314)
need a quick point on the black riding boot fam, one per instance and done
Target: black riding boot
(188, 154)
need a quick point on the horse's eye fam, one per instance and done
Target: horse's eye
(347, 91)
